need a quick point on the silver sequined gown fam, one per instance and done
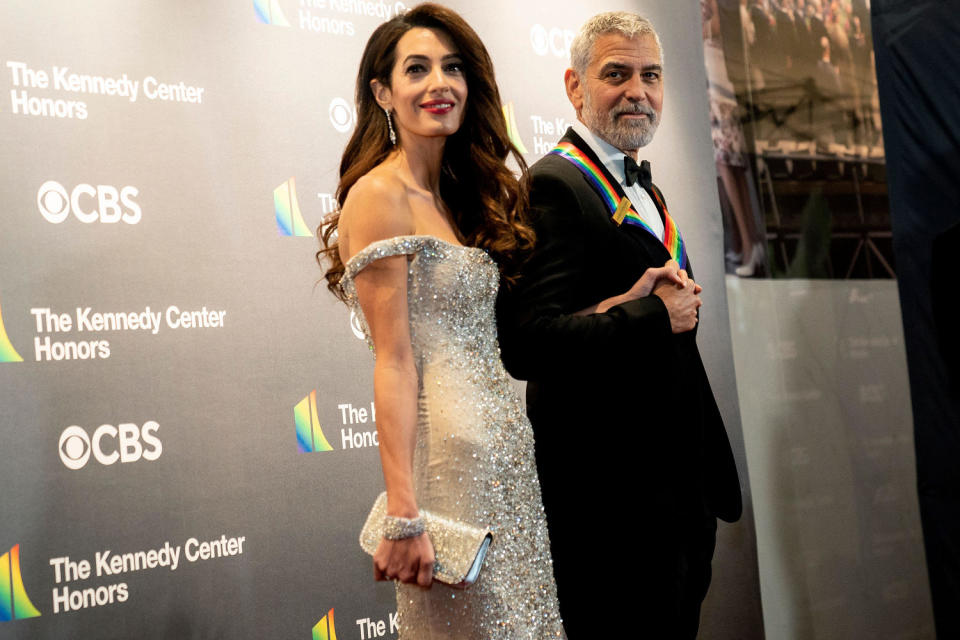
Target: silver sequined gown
(474, 457)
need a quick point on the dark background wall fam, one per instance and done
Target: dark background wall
(917, 61)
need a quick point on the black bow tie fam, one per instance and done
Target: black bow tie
(637, 173)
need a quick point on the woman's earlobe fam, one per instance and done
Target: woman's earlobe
(381, 93)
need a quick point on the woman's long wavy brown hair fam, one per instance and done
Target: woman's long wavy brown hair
(486, 200)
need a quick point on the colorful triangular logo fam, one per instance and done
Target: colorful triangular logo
(14, 603)
(310, 437)
(269, 12)
(7, 352)
(512, 129)
(324, 630)
(287, 209)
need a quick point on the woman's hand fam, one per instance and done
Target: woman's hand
(409, 560)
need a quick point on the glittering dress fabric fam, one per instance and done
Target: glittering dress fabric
(474, 459)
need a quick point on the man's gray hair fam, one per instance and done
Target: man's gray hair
(627, 24)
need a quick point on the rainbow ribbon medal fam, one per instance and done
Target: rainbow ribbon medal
(621, 209)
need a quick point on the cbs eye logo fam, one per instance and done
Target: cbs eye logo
(126, 443)
(342, 115)
(88, 203)
(554, 40)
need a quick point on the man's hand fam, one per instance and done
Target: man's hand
(682, 302)
(682, 273)
(670, 275)
(667, 274)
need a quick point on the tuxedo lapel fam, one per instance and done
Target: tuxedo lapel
(657, 196)
(638, 233)
(574, 138)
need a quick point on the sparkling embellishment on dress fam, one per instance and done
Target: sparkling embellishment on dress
(474, 458)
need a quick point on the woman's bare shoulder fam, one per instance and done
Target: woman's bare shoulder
(376, 208)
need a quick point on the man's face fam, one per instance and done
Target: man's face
(621, 96)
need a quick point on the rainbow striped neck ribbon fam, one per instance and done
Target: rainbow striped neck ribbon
(598, 178)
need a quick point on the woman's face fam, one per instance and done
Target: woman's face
(428, 95)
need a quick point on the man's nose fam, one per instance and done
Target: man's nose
(634, 89)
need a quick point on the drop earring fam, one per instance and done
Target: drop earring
(393, 134)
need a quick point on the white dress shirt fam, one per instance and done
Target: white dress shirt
(612, 159)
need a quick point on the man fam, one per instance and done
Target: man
(633, 458)
(764, 49)
(818, 30)
(787, 40)
(829, 117)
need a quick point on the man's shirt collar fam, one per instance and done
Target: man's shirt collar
(609, 155)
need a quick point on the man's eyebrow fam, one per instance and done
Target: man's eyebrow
(620, 66)
(614, 66)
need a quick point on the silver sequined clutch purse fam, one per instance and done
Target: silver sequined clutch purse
(459, 548)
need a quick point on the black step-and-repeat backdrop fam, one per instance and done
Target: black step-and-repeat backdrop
(187, 435)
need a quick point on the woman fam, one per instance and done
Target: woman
(426, 202)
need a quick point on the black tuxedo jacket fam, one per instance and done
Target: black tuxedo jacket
(622, 411)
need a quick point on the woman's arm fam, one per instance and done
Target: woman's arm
(376, 211)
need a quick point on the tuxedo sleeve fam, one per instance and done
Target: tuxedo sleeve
(540, 337)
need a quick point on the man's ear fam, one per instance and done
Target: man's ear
(571, 79)
(382, 94)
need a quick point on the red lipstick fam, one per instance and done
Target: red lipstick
(438, 107)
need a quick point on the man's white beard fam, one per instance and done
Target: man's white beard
(623, 134)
